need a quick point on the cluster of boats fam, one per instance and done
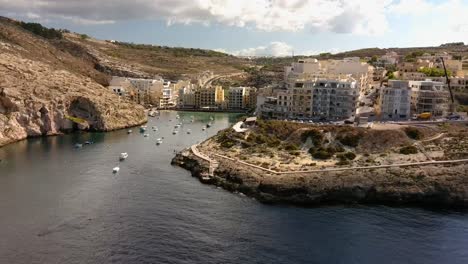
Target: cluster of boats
(143, 130)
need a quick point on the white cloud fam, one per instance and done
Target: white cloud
(316, 52)
(363, 16)
(274, 49)
(435, 22)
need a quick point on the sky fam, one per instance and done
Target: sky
(256, 27)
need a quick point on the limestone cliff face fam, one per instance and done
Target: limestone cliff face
(37, 98)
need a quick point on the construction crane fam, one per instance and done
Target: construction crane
(452, 104)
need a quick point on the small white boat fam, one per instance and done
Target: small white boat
(189, 131)
(159, 141)
(146, 135)
(78, 145)
(204, 128)
(123, 156)
(208, 125)
(129, 131)
(142, 129)
(175, 132)
(115, 169)
(177, 117)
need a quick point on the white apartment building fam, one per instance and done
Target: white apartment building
(302, 68)
(319, 98)
(146, 90)
(361, 71)
(167, 97)
(334, 99)
(186, 98)
(395, 100)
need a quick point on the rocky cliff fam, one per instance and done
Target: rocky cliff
(45, 91)
(428, 186)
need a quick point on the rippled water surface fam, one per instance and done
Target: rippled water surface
(59, 204)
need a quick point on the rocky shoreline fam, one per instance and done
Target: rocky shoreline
(427, 186)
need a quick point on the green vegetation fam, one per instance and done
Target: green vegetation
(346, 156)
(176, 51)
(291, 147)
(281, 130)
(413, 55)
(314, 135)
(390, 75)
(38, 29)
(84, 36)
(373, 59)
(343, 163)
(434, 72)
(321, 153)
(350, 140)
(414, 133)
(408, 150)
(227, 138)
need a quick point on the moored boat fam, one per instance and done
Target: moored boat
(159, 141)
(123, 156)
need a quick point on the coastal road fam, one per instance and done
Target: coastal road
(217, 77)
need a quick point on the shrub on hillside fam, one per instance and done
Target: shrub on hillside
(408, 150)
(321, 153)
(291, 147)
(413, 133)
(38, 29)
(314, 135)
(280, 129)
(346, 156)
(342, 163)
(350, 140)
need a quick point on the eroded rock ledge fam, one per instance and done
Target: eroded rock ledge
(428, 186)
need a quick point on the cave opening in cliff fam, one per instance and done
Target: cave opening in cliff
(83, 114)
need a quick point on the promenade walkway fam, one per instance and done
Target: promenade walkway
(214, 164)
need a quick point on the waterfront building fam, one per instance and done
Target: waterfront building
(142, 91)
(186, 98)
(212, 97)
(395, 100)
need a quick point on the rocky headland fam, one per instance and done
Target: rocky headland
(317, 183)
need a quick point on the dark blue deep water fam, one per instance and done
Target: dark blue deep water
(63, 205)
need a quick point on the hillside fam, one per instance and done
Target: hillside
(100, 59)
(45, 89)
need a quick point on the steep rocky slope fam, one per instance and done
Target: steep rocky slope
(42, 89)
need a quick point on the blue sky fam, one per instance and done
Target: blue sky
(256, 27)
